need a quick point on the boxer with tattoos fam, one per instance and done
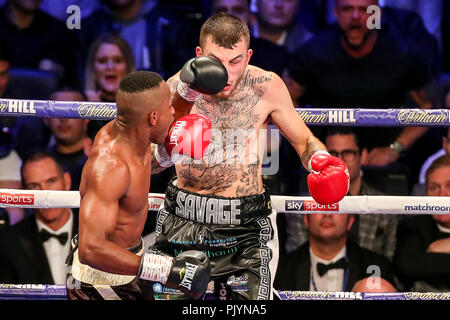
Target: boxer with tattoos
(218, 203)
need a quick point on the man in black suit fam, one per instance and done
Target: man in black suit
(422, 255)
(376, 232)
(329, 262)
(34, 250)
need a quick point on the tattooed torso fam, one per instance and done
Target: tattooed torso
(232, 164)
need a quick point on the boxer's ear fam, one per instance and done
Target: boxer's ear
(198, 51)
(152, 118)
(249, 54)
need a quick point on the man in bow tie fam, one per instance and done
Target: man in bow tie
(329, 261)
(34, 250)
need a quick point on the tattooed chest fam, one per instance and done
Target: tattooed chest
(231, 162)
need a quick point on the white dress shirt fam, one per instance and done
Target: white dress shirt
(443, 229)
(57, 253)
(333, 280)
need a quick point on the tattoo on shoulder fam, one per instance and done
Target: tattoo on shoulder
(250, 80)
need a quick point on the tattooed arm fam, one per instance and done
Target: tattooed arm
(181, 106)
(289, 122)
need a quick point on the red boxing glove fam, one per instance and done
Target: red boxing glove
(188, 136)
(329, 179)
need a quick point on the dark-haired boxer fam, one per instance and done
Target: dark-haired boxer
(219, 204)
(108, 259)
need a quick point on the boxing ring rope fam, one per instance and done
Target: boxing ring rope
(298, 205)
(58, 292)
(304, 205)
(315, 116)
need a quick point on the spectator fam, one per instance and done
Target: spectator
(91, 131)
(277, 22)
(420, 188)
(159, 41)
(329, 262)
(5, 64)
(9, 170)
(354, 66)
(28, 29)
(422, 255)
(29, 250)
(9, 159)
(266, 54)
(375, 232)
(418, 21)
(66, 143)
(58, 9)
(430, 12)
(373, 284)
(109, 60)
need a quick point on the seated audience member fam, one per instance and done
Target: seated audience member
(159, 41)
(58, 9)
(34, 250)
(40, 41)
(5, 66)
(277, 22)
(353, 66)
(418, 23)
(329, 261)
(376, 232)
(422, 255)
(109, 60)
(91, 131)
(9, 159)
(66, 143)
(420, 187)
(266, 54)
(10, 163)
(373, 284)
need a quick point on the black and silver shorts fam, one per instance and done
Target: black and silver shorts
(238, 235)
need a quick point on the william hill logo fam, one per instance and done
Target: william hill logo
(330, 116)
(97, 111)
(17, 107)
(309, 205)
(422, 117)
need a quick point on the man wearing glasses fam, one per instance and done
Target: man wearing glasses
(371, 231)
(422, 256)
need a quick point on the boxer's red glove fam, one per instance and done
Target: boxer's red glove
(188, 136)
(329, 180)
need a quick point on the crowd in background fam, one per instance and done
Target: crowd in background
(327, 58)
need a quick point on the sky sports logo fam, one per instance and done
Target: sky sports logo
(309, 205)
(17, 199)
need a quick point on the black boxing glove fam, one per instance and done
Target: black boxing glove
(201, 75)
(188, 272)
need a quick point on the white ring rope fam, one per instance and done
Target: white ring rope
(350, 204)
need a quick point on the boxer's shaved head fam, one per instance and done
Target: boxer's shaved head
(139, 81)
(138, 94)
